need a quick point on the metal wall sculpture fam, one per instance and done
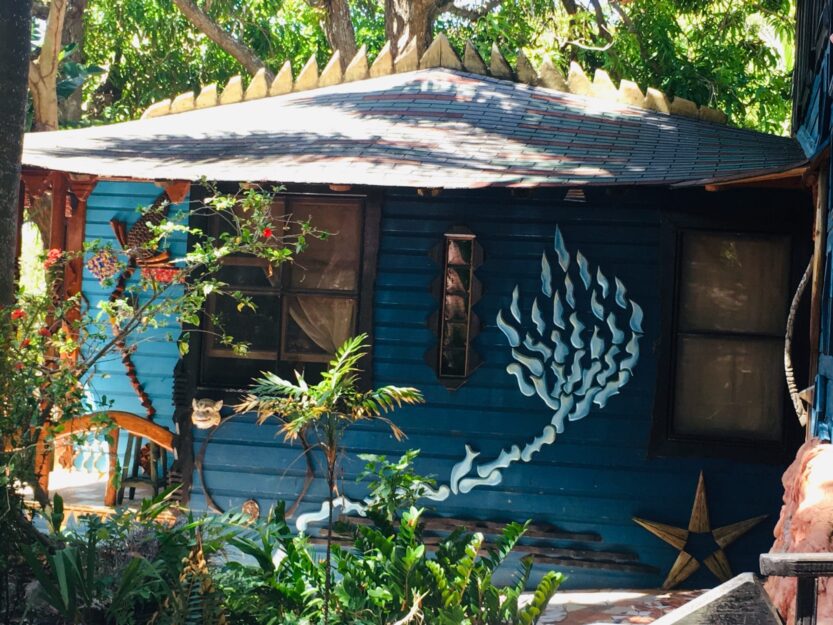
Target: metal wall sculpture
(575, 347)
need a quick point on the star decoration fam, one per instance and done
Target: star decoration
(686, 564)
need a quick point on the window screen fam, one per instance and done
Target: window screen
(731, 313)
(305, 309)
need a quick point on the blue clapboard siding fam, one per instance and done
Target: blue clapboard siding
(595, 477)
(813, 131)
(155, 354)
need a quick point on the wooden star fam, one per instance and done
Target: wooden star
(686, 564)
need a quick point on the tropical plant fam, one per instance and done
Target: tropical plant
(282, 579)
(394, 576)
(386, 572)
(325, 410)
(117, 570)
(195, 600)
(392, 486)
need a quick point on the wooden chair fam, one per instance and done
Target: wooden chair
(135, 425)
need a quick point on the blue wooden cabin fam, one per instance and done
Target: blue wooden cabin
(589, 284)
(812, 126)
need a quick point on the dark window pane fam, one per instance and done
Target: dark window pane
(331, 263)
(226, 221)
(260, 328)
(457, 280)
(455, 335)
(453, 362)
(455, 308)
(459, 251)
(734, 284)
(316, 326)
(246, 272)
(454, 326)
(729, 388)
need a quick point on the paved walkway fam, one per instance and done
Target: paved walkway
(613, 607)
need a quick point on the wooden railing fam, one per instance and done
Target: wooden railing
(807, 567)
(119, 420)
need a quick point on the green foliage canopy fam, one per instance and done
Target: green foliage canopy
(735, 55)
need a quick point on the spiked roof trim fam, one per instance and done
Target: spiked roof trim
(433, 127)
(439, 54)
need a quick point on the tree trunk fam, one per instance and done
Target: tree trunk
(202, 21)
(570, 6)
(328, 580)
(70, 108)
(338, 27)
(15, 29)
(43, 71)
(406, 19)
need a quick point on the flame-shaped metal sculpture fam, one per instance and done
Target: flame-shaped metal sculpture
(583, 342)
(575, 348)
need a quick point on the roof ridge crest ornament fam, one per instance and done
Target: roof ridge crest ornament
(440, 53)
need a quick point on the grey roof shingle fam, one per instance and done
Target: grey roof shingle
(429, 128)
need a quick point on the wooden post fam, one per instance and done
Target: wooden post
(81, 188)
(113, 477)
(57, 228)
(819, 253)
(805, 601)
(43, 460)
(807, 567)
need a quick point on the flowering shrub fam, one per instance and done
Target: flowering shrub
(52, 258)
(165, 275)
(52, 345)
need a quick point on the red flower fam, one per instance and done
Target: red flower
(44, 332)
(52, 257)
(267, 233)
(25, 343)
(18, 366)
(18, 313)
(162, 274)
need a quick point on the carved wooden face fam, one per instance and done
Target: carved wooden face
(206, 413)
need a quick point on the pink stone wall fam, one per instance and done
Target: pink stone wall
(806, 523)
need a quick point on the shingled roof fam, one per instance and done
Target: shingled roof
(427, 128)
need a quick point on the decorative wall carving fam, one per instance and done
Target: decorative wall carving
(567, 357)
(575, 347)
(206, 413)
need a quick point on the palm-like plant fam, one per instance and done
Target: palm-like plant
(326, 410)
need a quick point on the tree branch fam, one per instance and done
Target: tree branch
(472, 14)
(628, 22)
(584, 46)
(240, 51)
(51, 48)
(338, 27)
(570, 6)
(601, 21)
(43, 71)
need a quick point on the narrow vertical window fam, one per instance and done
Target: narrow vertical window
(459, 292)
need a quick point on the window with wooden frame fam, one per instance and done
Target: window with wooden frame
(457, 290)
(721, 384)
(304, 310)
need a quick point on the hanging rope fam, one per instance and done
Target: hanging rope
(800, 410)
